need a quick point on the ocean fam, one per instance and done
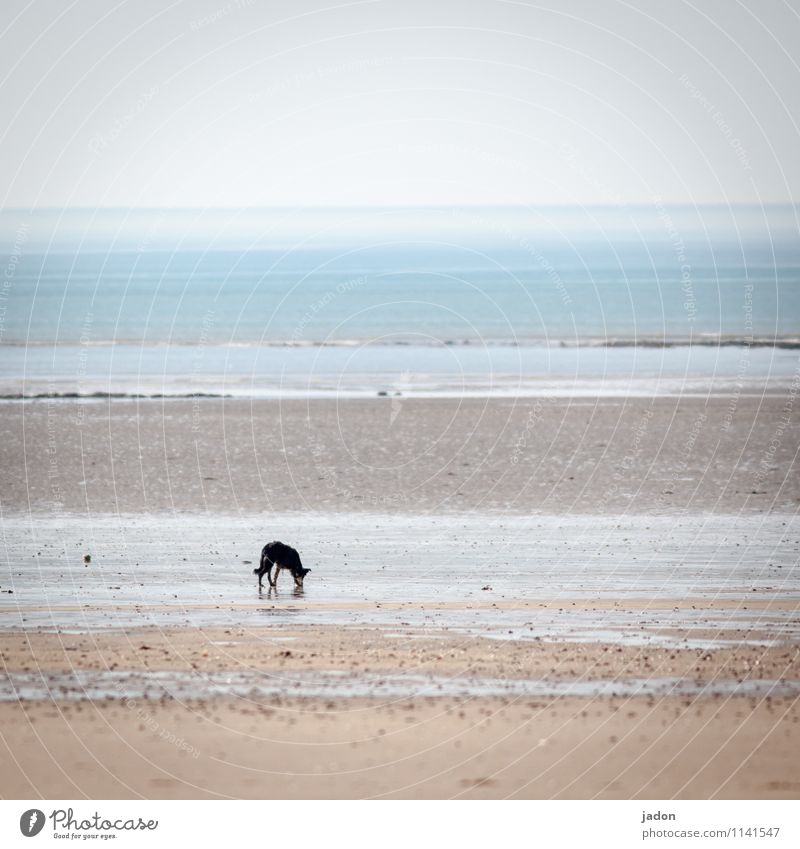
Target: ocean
(261, 303)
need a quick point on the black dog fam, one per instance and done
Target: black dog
(281, 557)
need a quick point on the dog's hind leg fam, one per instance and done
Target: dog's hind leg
(265, 568)
(274, 581)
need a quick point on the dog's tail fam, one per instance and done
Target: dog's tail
(256, 571)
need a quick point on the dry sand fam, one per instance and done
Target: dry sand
(446, 748)
(405, 746)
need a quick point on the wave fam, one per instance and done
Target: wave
(100, 396)
(703, 341)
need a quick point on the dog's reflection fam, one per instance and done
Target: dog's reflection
(272, 592)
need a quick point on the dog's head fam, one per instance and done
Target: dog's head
(299, 575)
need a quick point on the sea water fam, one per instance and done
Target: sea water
(427, 301)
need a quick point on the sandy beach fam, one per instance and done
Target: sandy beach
(418, 741)
(542, 599)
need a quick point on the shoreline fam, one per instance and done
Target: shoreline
(434, 371)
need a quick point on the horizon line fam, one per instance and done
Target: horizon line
(421, 206)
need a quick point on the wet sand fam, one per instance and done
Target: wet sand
(289, 653)
(634, 580)
(543, 599)
(649, 456)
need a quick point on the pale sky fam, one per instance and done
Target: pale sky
(207, 103)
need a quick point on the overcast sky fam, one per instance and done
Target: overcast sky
(210, 103)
